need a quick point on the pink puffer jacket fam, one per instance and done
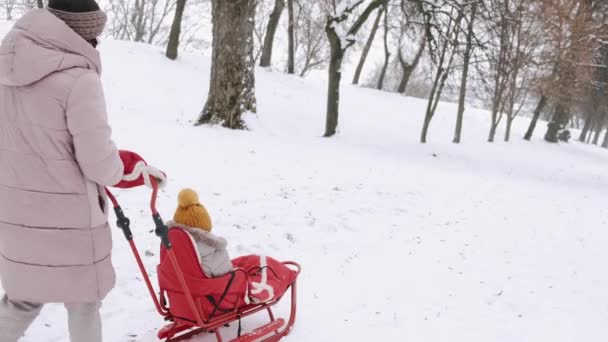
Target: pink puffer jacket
(56, 153)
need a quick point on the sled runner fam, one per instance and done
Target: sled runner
(194, 303)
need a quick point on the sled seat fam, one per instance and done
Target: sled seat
(218, 301)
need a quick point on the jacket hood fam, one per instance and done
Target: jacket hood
(199, 235)
(41, 44)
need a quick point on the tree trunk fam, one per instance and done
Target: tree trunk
(335, 76)
(605, 142)
(465, 75)
(176, 29)
(560, 119)
(40, 4)
(408, 69)
(336, 57)
(271, 30)
(387, 54)
(598, 130)
(232, 83)
(441, 77)
(291, 46)
(596, 135)
(367, 47)
(508, 129)
(539, 109)
(586, 128)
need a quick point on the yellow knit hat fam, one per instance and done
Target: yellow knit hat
(190, 212)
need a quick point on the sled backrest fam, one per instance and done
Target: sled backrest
(186, 253)
(229, 291)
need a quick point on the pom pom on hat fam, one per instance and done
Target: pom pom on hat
(191, 212)
(187, 197)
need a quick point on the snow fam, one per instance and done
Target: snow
(398, 241)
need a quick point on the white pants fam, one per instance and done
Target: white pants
(84, 321)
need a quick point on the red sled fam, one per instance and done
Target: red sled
(195, 304)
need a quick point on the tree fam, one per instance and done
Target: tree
(176, 29)
(311, 46)
(291, 45)
(387, 53)
(368, 45)
(40, 3)
(339, 44)
(9, 7)
(465, 73)
(140, 20)
(575, 29)
(232, 83)
(501, 28)
(408, 68)
(273, 23)
(539, 109)
(447, 42)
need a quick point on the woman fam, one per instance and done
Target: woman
(56, 155)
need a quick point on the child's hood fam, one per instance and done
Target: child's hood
(201, 236)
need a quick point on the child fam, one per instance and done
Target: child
(194, 218)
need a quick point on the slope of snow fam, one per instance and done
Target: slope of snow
(399, 241)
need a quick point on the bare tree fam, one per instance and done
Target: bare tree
(176, 29)
(387, 53)
(232, 83)
(311, 46)
(465, 73)
(368, 45)
(340, 39)
(446, 41)
(140, 20)
(408, 68)
(542, 102)
(9, 7)
(273, 23)
(291, 38)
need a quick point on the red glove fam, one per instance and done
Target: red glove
(138, 172)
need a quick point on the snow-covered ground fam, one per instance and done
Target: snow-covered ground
(399, 241)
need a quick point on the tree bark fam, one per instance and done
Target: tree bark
(465, 75)
(271, 30)
(368, 45)
(40, 4)
(605, 142)
(501, 76)
(176, 29)
(336, 58)
(588, 120)
(232, 83)
(335, 76)
(539, 109)
(598, 129)
(408, 69)
(508, 128)
(559, 120)
(442, 75)
(387, 54)
(291, 46)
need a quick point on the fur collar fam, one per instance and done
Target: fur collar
(200, 235)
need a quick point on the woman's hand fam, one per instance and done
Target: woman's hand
(138, 172)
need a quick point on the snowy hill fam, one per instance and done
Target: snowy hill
(399, 241)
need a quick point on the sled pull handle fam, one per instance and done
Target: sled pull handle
(122, 221)
(162, 231)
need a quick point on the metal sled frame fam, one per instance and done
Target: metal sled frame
(180, 329)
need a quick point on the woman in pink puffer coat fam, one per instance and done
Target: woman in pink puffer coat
(56, 155)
